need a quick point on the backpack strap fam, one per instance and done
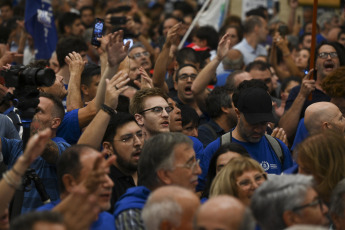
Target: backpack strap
(226, 138)
(275, 145)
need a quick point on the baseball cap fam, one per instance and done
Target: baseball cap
(256, 105)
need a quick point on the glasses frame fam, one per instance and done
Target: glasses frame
(331, 54)
(186, 76)
(139, 54)
(318, 201)
(167, 108)
(246, 187)
(191, 166)
(127, 141)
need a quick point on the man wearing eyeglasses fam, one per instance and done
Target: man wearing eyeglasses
(329, 56)
(287, 200)
(151, 110)
(138, 53)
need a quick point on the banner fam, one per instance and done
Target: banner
(215, 14)
(39, 22)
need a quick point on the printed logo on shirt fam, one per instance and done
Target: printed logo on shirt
(265, 165)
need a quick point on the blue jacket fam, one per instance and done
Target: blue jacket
(134, 198)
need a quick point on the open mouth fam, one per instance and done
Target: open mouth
(165, 123)
(188, 90)
(328, 65)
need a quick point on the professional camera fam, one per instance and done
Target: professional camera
(20, 76)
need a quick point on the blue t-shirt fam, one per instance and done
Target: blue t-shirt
(105, 220)
(301, 134)
(221, 78)
(12, 149)
(69, 128)
(261, 152)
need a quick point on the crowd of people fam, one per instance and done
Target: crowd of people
(230, 130)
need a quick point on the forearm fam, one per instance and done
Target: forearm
(94, 132)
(74, 100)
(205, 77)
(290, 119)
(291, 19)
(160, 68)
(109, 72)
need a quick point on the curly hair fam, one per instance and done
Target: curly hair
(333, 84)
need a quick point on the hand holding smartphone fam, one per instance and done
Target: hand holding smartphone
(98, 29)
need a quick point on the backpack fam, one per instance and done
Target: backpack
(274, 143)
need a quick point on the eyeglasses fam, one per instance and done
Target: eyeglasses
(314, 203)
(184, 77)
(190, 166)
(324, 55)
(159, 109)
(246, 184)
(129, 138)
(138, 55)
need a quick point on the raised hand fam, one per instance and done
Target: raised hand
(115, 87)
(223, 47)
(75, 63)
(115, 48)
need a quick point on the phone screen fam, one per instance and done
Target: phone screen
(97, 31)
(130, 42)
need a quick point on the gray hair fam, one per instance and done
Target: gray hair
(158, 153)
(248, 221)
(279, 194)
(337, 205)
(154, 213)
(136, 45)
(325, 18)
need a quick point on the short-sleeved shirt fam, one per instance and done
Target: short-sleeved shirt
(12, 149)
(317, 96)
(105, 220)
(69, 128)
(248, 52)
(261, 151)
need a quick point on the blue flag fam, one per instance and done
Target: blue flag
(39, 22)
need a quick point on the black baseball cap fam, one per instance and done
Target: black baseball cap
(256, 105)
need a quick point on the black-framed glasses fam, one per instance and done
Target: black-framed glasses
(159, 109)
(314, 203)
(184, 77)
(324, 55)
(138, 55)
(191, 166)
(129, 138)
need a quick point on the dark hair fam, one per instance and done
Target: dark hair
(259, 12)
(67, 45)
(89, 71)
(184, 7)
(117, 121)
(189, 115)
(158, 153)
(209, 34)
(28, 220)
(301, 38)
(58, 110)
(258, 65)
(342, 31)
(340, 49)
(181, 67)
(67, 19)
(168, 16)
(87, 8)
(186, 54)
(69, 163)
(218, 98)
(245, 85)
(250, 24)
(286, 82)
(6, 3)
(212, 168)
(238, 29)
(120, 9)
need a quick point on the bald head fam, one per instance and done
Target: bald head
(234, 60)
(223, 212)
(323, 115)
(172, 207)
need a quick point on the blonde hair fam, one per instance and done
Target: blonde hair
(225, 181)
(323, 155)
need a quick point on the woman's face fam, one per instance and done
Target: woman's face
(285, 94)
(224, 158)
(302, 58)
(247, 183)
(233, 36)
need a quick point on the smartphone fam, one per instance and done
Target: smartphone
(118, 20)
(98, 29)
(130, 42)
(283, 30)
